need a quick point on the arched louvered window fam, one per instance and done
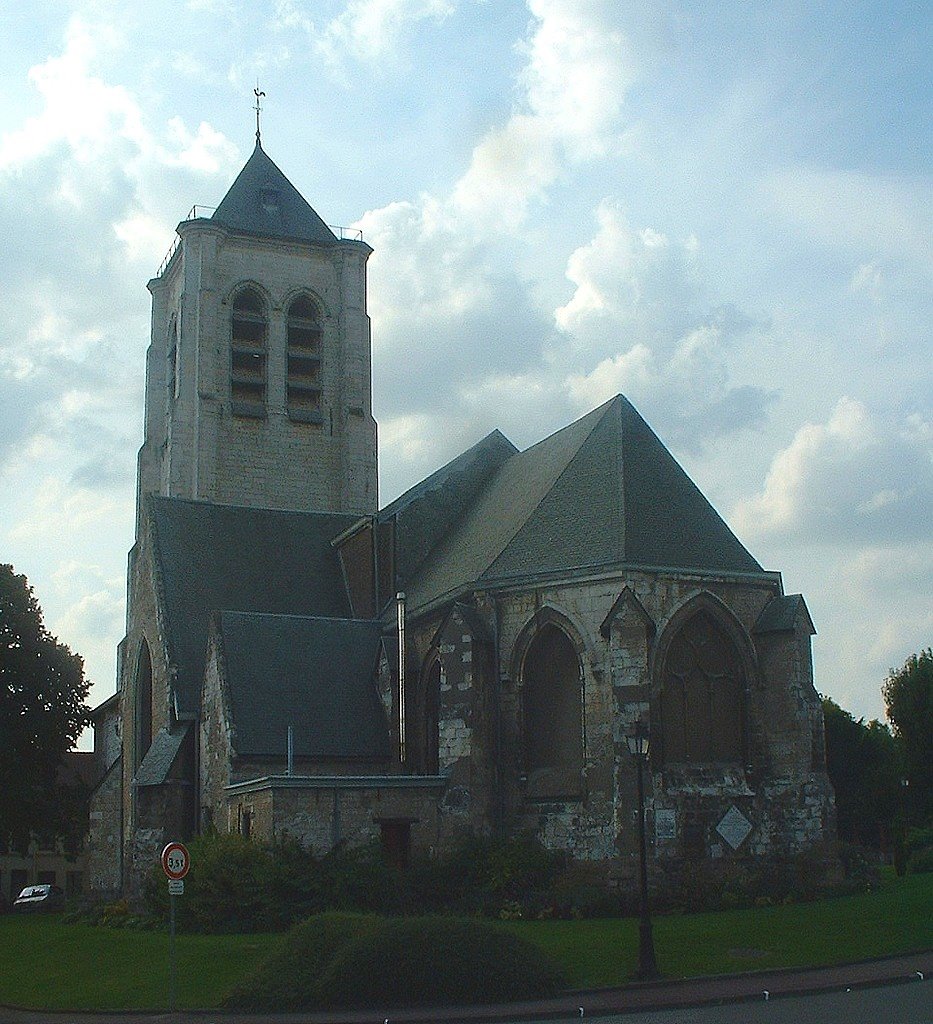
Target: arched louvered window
(702, 696)
(553, 715)
(248, 355)
(304, 361)
(143, 702)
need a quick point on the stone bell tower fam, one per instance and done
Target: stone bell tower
(258, 375)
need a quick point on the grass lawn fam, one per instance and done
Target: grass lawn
(896, 919)
(47, 964)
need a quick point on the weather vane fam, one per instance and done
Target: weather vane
(257, 92)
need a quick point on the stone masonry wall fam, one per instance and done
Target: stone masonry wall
(617, 626)
(143, 623)
(322, 817)
(272, 462)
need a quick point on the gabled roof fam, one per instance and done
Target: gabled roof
(262, 201)
(222, 557)
(315, 674)
(427, 512)
(602, 493)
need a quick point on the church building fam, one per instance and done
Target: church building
(471, 658)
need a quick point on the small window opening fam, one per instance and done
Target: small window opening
(173, 374)
(304, 361)
(245, 820)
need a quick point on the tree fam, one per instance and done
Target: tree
(862, 764)
(42, 713)
(908, 700)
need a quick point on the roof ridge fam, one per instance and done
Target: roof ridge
(350, 620)
(423, 487)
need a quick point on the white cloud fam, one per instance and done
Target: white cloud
(638, 323)
(369, 29)
(875, 214)
(445, 291)
(857, 476)
(577, 72)
(84, 188)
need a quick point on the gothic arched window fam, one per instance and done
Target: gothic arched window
(553, 715)
(703, 696)
(143, 702)
(248, 355)
(304, 361)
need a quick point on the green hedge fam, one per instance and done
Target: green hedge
(236, 885)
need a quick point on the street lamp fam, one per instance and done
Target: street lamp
(647, 964)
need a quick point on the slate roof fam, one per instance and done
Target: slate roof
(601, 493)
(262, 201)
(222, 557)
(161, 755)
(316, 674)
(780, 615)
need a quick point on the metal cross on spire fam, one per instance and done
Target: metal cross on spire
(257, 92)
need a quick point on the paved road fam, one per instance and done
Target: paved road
(910, 1003)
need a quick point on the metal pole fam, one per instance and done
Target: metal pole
(172, 978)
(400, 599)
(647, 964)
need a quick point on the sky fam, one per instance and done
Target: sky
(721, 210)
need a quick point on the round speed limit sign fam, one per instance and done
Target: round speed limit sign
(175, 861)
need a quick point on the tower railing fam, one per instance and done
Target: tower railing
(199, 210)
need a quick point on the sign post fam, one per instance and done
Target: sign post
(176, 863)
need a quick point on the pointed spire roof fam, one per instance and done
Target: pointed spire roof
(262, 201)
(600, 494)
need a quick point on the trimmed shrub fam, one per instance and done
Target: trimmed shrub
(287, 980)
(344, 961)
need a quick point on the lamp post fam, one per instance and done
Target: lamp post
(647, 963)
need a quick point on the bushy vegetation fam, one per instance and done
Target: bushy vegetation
(908, 701)
(918, 848)
(882, 773)
(241, 886)
(42, 713)
(345, 961)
